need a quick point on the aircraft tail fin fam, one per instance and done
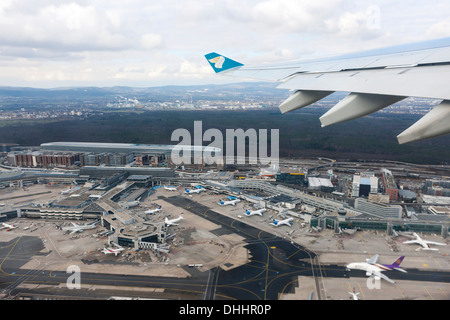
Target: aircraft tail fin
(396, 264)
(398, 261)
(220, 63)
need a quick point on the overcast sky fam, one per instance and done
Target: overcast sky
(57, 43)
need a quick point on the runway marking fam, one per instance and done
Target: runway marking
(401, 292)
(361, 290)
(428, 292)
(362, 241)
(267, 273)
(1, 264)
(287, 284)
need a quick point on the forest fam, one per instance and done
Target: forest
(300, 133)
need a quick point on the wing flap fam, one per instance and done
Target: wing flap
(356, 105)
(302, 99)
(434, 123)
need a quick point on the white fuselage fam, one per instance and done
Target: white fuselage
(173, 221)
(282, 222)
(258, 212)
(153, 210)
(231, 202)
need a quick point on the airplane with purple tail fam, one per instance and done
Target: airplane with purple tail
(374, 269)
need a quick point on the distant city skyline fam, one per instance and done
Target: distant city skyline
(49, 43)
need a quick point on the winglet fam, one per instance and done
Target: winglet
(220, 63)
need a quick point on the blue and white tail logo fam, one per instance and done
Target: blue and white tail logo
(220, 63)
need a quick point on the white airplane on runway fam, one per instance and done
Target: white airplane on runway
(151, 211)
(80, 228)
(258, 212)
(170, 188)
(8, 226)
(373, 269)
(173, 222)
(111, 250)
(232, 202)
(278, 223)
(424, 243)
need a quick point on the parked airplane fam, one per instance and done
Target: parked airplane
(80, 228)
(67, 191)
(173, 222)
(373, 269)
(110, 250)
(258, 212)
(8, 226)
(195, 190)
(232, 202)
(425, 244)
(278, 223)
(374, 79)
(170, 188)
(151, 211)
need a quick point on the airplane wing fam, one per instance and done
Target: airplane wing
(411, 241)
(435, 243)
(379, 274)
(374, 79)
(373, 260)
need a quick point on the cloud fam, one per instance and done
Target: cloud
(138, 42)
(439, 30)
(151, 41)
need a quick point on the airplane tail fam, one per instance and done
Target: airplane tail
(396, 264)
(220, 63)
